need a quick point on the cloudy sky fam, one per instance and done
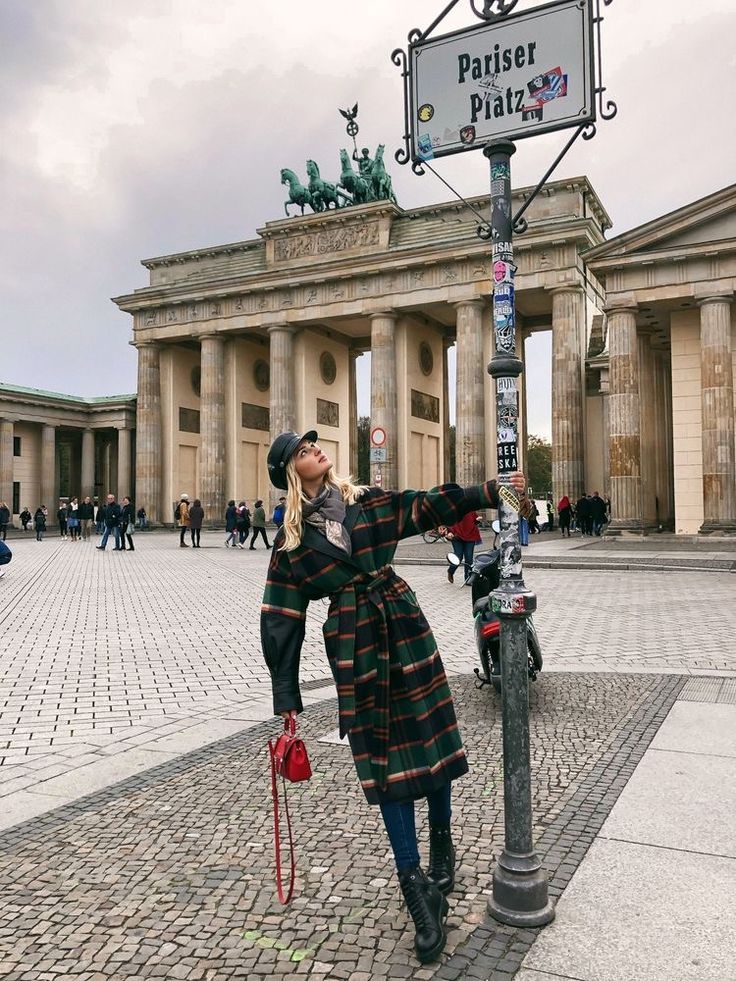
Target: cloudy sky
(134, 128)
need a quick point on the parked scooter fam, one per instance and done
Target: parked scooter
(484, 576)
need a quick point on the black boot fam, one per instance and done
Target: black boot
(441, 869)
(428, 909)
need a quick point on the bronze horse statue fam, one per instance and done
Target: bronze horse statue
(323, 193)
(359, 187)
(298, 194)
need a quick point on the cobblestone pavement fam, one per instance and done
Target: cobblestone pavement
(170, 874)
(113, 660)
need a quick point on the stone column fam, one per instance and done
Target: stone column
(716, 372)
(124, 469)
(353, 356)
(6, 462)
(48, 471)
(568, 337)
(470, 458)
(88, 464)
(148, 471)
(212, 428)
(447, 343)
(647, 412)
(283, 388)
(624, 420)
(233, 419)
(384, 398)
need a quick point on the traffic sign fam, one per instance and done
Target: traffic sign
(378, 436)
(379, 454)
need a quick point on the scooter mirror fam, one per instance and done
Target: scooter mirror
(496, 525)
(453, 559)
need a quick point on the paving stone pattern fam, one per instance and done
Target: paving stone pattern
(170, 874)
(106, 653)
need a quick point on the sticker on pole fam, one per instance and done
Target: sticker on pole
(516, 76)
(509, 498)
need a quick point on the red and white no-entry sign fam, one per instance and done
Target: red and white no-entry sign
(378, 436)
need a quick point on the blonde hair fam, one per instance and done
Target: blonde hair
(293, 526)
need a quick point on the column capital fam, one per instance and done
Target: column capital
(571, 287)
(624, 303)
(388, 313)
(210, 335)
(283, 329)
(471, 301)
(715, 298)
(150, 345)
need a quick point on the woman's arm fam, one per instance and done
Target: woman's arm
(418, 511)
(283, 617)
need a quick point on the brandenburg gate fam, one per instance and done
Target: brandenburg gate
(241, 341)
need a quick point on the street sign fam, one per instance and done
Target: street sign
(379, 454)
(378, 436)
(514, 77)
(378, 478)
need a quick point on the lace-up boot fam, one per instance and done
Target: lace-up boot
(441, 869)
(428, 909)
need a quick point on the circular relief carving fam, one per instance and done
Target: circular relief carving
(426, 358)
(261, 375)
(196, 380)
(327, 368)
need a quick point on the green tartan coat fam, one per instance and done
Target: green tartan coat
(394, 701)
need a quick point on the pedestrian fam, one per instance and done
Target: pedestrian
(141, 518)
(61, 517)
(72, 520)
(564, 509)
(597, 513)
(26, 518)
(127, 524)
(243, 523)
(231, 524)
(181, 514)
(259, 524)
(395, 705)
(4, 520)
(5, 556)
(464, 535)
(111, 515)
(196, 517)
(39, 520)
(278, 513)
(550, 515)
(86, 517)
(582, 514)
(534, 519)
(608, 509)
(100, 519)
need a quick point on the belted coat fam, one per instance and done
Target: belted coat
(394, 701)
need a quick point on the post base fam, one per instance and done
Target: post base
(717, 528)
(520, 898)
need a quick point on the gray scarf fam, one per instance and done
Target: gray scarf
(326, 513)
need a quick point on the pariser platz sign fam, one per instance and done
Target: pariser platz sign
(521, 75)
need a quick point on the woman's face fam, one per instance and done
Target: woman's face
(310, 462)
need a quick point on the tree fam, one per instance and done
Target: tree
(539, 465)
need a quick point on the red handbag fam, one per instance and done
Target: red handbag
(289, 760)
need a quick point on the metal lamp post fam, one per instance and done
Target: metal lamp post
(520, 895)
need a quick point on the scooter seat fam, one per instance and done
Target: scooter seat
(481, 605)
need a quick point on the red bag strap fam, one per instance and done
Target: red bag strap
(290, 727)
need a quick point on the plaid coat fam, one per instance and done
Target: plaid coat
(394, 700)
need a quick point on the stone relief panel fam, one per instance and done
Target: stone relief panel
(425, 406)
(262, 375)
(328, 413)
(324, 243)
(327, 367)
(255, 416)
(188, 420)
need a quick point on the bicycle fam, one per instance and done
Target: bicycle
(432, 536)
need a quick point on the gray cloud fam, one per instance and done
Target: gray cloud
(131, 130)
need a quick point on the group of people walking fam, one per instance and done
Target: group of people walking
(239, 522)
(589, 514)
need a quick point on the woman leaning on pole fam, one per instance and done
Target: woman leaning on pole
(337, 541)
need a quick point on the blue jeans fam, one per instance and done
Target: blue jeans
(464, 551)
(401, 826)
(523, 531)
(106, 534)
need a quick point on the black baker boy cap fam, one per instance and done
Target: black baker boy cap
(281, 451)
